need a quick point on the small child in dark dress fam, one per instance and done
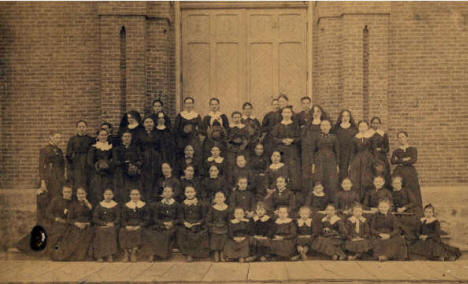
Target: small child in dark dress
(332, 234)
(358, 233)
(429, 245)
(317, 200)
(106, 218)
(240, 231)
(217, 221)
(307, 231)
(283, 235)
(344, 199)
(242, 198)
(262, 224)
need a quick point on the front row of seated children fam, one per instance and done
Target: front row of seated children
(241, 232)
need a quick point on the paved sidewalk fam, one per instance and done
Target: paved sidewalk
(208, 272)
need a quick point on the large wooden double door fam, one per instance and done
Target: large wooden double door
(241, 55)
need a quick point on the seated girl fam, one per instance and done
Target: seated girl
(344, 199)
(405, 209)
(241, 169)
(237, 138)
(189, 178)
(280, 196)
(307, 231)
(275, 169)
(283, 234)
(240, 231)
(331, 236)
(377, 193)
(242, 198)
(217, 221)
(261, 226)
(106, 217)
(357, 234)
(167, 179)
(212, 184)
(215, 159)
(317, 200)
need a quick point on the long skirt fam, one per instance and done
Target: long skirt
(291, 157)
(433, 250)
(158, 242)
(409, 225)
(193, 243)
(283, 248)
(129, 239)
(361, 246)
(326, 173)
(123, 183)
(328, 246)
(235, 250)
(410, 181)
(393, 248)
(74, 245)
(99, 183)
(79, 170)
(304, 241)
(361, 172)
(105, 241)
(54, 234)
(260, 247)
(217, 241)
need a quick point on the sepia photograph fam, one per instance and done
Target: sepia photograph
(233, 142)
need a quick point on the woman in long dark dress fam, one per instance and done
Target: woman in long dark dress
(269, 121)
(386, 240)
(217, 222)
(258, 165)
(212, 184)
(188, 128)
(237, 139)
(106, 218)
(165, 139)
(134, 219)
(75, 242)
(128, 161)
(131, 122)
(332, 235)
(101, 161)
(358, 233)
(192, 236)
(345, 129)
(380, 149)
(238, 243)
(283, 234)
(362, 160)
(405, 156)
(158, 111)
(167, 179)
(77, 153)
(252, 124)
(286, 138)
(159, 238)
(325, 158)
(151, 163)
(429, 245)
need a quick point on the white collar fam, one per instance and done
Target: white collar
(264, 218)
(188, 115)
(238, 125)
(235, 221)
(216, 114)
(428, 221)
(218, 160)
(368, 134)
(220, 207)
(286, 123)
(108, 205)
(345, 125)
(353, 219)
(103, 146)
(162, 127)
(133, 126)
(286, 221)
(332, 220)
(169, 202)
(277, 166)
(133, 205)
(319, 195)
(245, 117)
(380, 132)
(191, 202)
(307, 222)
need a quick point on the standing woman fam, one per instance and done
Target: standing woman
(326, 154)
(100, 160)
(361, 166)
(345, 129)
(252, 124)
(131, 122)
(188, 127)
(157, 109)
(405, 157)
(166, 143)
(77, 152)
(237, 140)
(151, 166)
(269, 120)
(214, 116)
(286, 139)
(380, 149)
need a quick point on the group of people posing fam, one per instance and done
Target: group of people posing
(290, 186)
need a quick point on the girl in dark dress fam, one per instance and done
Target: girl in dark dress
(131, 122)
(261, 227)
(151, 163)
(286, 138)
(238, 243)
(325, 157)
(283, 234)
(361, 166)
(113, 139)
(377, 193)
(429, 245)
(276, 169)
(252, 124)
(215, 159)
(386, 240)
(158, 238)
(165, 139)
(190, 158)
(241, 169)
(158, 110)
(307, 231)
(128, 161)
(269, 121)
(188, 129)
(100, 160)
(332, 235)
(74, 243)
(192, 236)
(213, 183)
(167, 179)
(405, 209)
(217, 221)
(346, 198)
(405, 157)
(357, 234)
(380, 149)
(259, 165)
(345, 129)
(281, 196)
(135, 217)
(106, 218)
(189, 179)
(317, 200)
(237, 139)
(214, 117)
(243, 198)
(77, 153)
